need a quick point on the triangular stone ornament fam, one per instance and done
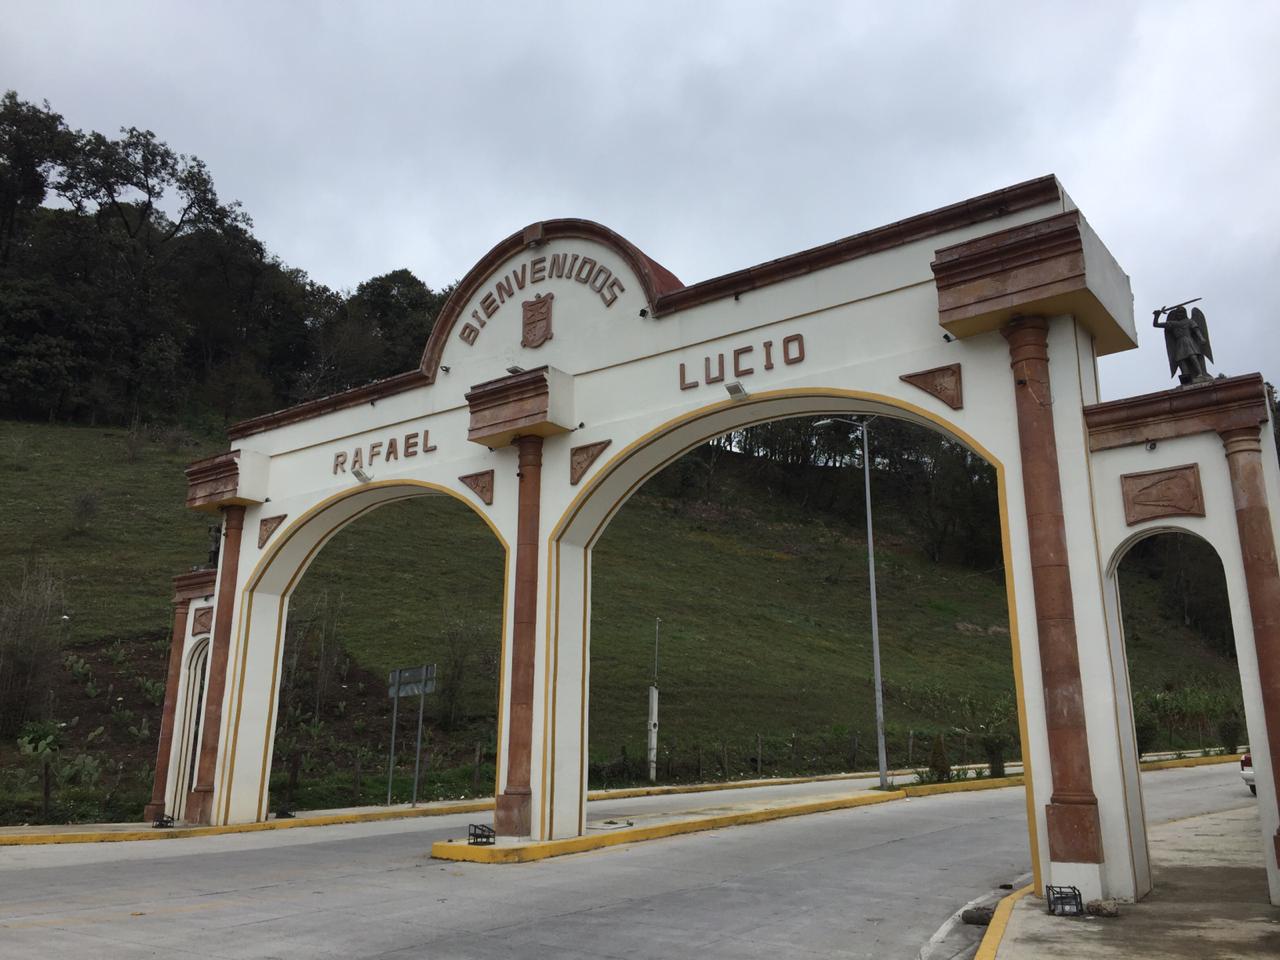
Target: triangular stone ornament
(202, 622)
(941, 382)
(481, 485)
(581, 458)
(267, 526)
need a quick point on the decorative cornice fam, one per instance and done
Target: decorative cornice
(662, 288)
(367, 393)
(519, 404)
(194, 585)
(1214, 407)
(989, 206)
(213, 481)
(1046, 267)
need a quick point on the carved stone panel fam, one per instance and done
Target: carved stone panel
(202, 622)
(267, 526)
(941, 382)
(1169, 492)
(581, 458)
(481, 484)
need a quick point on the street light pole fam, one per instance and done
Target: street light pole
(653, 707)
(871, 573)
(875, 617)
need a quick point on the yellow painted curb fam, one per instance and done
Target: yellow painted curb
(541, 850)
(481, 805)
(623, 793)
(1192, 761)
(174, 833)
(999, 921)
(962, 786)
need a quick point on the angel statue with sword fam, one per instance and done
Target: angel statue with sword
(1186, 340)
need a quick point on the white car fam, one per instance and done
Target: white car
(1246, 772)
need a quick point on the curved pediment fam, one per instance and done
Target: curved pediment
(525, 288)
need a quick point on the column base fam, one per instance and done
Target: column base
(1085, 877)
(152, 812)
(200, 806)
(1075, 834)
(511, 815)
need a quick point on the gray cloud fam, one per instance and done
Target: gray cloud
(713, 136)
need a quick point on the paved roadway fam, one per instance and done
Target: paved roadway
(869, 882)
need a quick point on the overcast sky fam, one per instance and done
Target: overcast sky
(366, 137)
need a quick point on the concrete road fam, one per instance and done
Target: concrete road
(869, 882)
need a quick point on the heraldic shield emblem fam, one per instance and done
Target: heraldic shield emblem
(537, 321)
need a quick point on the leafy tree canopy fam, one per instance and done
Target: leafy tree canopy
(131, 292)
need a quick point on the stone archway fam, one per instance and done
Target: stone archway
(567, 361)
(235, 754)
(576, 532)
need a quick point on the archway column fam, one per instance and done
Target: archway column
(512, 813)
(164, 747)
(200, 801)
(187, 587)
(1072, 821)
(1262, 577)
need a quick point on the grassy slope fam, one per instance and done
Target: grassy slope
(765, 610)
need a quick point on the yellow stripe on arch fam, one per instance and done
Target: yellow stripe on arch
(745, 419)
(240, 653)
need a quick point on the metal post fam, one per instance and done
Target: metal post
(417, 754)
(395, 709)
(653, 733)
(653, 707)
(875, 620)
(657, 622)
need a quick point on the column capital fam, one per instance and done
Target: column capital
(1028, 339)
(1239, 440)
(530, 450)
(233, 516)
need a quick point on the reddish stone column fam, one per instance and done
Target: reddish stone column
(155, 808)
(200, 800)
(512, 815)
(1261, 577)
(1072, 812)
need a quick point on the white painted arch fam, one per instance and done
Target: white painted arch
(634, 361)
(258, 647)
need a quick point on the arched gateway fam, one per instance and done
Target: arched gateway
(567, 367)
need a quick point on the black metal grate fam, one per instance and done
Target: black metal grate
(1064, 901)
(479, 835)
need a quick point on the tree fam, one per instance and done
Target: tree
(34, 143)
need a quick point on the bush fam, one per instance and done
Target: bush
(1231, 732)
(993, 745)
(31, 634)
(84, 510)
(939, 765)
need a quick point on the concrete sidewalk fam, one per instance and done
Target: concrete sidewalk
(1209, 903)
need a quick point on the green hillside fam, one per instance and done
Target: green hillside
(763, 601)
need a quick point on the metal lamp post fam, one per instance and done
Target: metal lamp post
(653, 707)
(871, 571)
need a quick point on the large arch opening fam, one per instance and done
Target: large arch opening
(743, 570)
(312, 651)
(361, 611)
(1166, 592)
(582, 527)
